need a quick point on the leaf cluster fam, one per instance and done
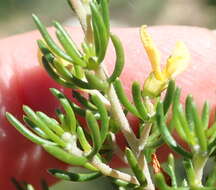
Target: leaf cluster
(102, 103)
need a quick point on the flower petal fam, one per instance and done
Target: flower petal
(152, 52)
(178, 61)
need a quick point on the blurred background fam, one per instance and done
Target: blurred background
(15, 17)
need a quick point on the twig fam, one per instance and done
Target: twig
(108, 171)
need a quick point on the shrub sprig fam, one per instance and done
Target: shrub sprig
(103, 104)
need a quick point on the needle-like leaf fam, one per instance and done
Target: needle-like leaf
(137, 98)
(82, 140)
(103, 117)
(51, 123)
(119, 64)
(198, 128)
(95, 82)
(171, 170)
(69, 45)
(169, 96)
(52, 45)
(26, 132)
(105, 13)
(77, 177)
(205, 115)
(84, 101)
(35, 119)
(95, 133)
(123, 98)
(64, 156)
(166, 134)
(100, 32)
(135, 167)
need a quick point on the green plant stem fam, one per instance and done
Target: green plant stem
(102, 98)
(118, 112)
(96, 162)
(108, 171)
(199, 162)
(141, 157)
(144, 137)
(116, 149)
(83, 13)
(143, 164)
(125, 127)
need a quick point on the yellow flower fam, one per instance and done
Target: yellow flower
(158, 79)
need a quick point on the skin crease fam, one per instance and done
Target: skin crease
(24, 81)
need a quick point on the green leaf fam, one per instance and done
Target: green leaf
(103, 117)
(51, 123)
(62, 71)
(100, 32)
(35, 119)
(95, 133)
(64, 156)
(97, 41)
(176, 123)
(205, 115)
(54, 75)
(26, 132)
(76, 177)
(191, 175)
(188, 113)
(160, 118)
(137, 98)
(105, 13)
(95, 82)
(88, 49)
(69, 45)
(161, 184)
(211, 132)
(61, 118)
(169, 96)
(132, 161)
(123, 98)
(37, 130)
(120, 60)
(199, 129)
(122, 183)
(75, 107)
(180, 116)
(80, 83)
(45, 51)
(66, 35)
(52, 45)
(82, 140)
(68, 77)
(82, 100)
(78, 72)
(171, 170)
(70, 118)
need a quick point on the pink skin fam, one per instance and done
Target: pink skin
(24, 81)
